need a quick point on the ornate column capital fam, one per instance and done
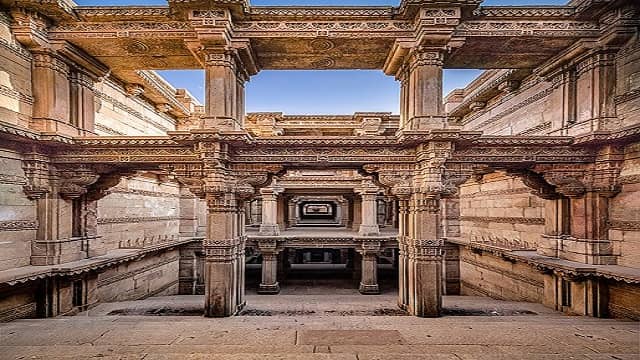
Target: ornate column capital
(73, 182)
(425, 56)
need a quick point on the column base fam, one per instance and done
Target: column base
(270, 289)
(270, 230)
(369, 230)
(369, 289)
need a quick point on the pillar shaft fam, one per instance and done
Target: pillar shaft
(421, 98)
(369, 280)
(269, 283)
(269, 225)
(369, 225)
(403, 256)
(424, 265)
(224, 255)
(224, 92)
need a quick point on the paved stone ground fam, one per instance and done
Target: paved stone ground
(532, 332)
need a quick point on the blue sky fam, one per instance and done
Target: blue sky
(319, 92)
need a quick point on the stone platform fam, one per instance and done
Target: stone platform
(349, 327)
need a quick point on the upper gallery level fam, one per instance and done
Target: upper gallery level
(174, 36)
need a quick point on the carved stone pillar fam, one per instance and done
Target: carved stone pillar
(425, 256)
(423, 90)
(269, 283)
(221, 247)
(369, 225)
(224, 90)
(269, 225)
(369, 279)
(292, 215)
(403, 255)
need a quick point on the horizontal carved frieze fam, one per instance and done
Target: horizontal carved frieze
(150, 29)
(320, 12)
(505, 220)
(627, 225)
(122, 12)
(522, 11)
(516, 191)
(18, 225)
(12, 179)
(132, 219)
(528, 28)
(142, 193)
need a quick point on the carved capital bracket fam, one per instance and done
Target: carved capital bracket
(73, 182)
(37, 171)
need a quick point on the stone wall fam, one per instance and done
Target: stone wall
(16, 99)
(487, 275)
(623, 300)
(118, 113)
(624, 211)
(150, 276)
(499, 209)
(18, 222)
(141, 210)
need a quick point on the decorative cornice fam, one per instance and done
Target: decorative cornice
(504, 220)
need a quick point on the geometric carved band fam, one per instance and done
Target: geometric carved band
(522, 190)
(18, 225)
(504, 220)
(124, 220)
(624, 225)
